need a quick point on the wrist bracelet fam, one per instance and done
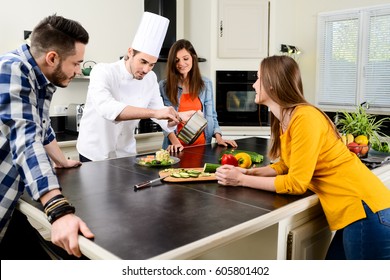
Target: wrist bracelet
(59, 212)
(51, 200)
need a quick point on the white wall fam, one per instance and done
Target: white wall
(292, 22)
(112, 24)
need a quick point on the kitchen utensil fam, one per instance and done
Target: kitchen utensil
(149, 183)
(192, 129)
(87, 70)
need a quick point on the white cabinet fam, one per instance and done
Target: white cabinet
(243, 28)
(69, 149)
(303, 236)
(149, 142)
(239, 132)
(308, 235)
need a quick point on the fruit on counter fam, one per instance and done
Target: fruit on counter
(354, 147)
(350, 138)
(361, 140)
(347, 138)
(229, 159)
(360, 122)
(364, 150)
(255, 157)
(210, 167)
(244, 160)
(360, 150)
(344, 139)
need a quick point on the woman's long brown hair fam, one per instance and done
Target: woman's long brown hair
(195, 81)
(281, 79)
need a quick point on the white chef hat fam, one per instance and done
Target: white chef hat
(150, 34)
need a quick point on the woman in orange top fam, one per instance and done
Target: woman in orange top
(186, 90)
(312, 156)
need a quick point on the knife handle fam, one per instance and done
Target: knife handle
(142, 185)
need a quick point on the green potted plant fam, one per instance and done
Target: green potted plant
(360, 125)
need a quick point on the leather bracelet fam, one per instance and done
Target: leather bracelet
(58, 196)
(59, 212)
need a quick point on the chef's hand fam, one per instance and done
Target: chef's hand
(68, 163)
(186, 115)
(168, 113)
(224, 142)
(229, 175)
(65, 232)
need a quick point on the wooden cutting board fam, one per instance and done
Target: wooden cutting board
(164, 173)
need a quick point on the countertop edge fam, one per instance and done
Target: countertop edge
(87, 247)
(197, 248)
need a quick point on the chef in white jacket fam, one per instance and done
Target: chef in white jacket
(122, 93)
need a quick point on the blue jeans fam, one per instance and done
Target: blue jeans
(365, 239)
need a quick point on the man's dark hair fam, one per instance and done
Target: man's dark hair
(56, 33)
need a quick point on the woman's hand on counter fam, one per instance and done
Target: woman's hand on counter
(224, 142)
(229, 175)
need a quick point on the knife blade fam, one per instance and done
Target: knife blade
(148, 183)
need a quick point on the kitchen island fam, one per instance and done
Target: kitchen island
(199, 220)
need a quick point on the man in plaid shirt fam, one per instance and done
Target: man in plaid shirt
(29, 76)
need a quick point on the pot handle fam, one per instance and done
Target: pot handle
(90, 62)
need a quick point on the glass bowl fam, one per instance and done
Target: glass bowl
(360, 150)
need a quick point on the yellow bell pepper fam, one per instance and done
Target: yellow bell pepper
(244, 160)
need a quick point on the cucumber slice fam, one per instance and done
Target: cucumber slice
(193, 171)
(184, 175)
(176, 175)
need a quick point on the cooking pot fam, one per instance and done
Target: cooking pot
(87, 70)
(192, 129)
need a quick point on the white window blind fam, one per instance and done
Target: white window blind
(354, 58)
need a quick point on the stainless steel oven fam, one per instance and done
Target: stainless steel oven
(235, 100)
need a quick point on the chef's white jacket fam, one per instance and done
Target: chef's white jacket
(111, 89)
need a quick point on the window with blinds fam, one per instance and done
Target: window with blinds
(354, 58)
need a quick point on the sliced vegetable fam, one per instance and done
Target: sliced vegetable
(244, 160)
(255, 157)
(188, 173)
(210, 167)
(184, 175)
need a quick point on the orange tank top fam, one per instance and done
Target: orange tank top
(187, 104)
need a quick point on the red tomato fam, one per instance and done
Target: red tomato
(229, 159)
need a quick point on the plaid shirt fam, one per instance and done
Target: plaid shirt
(25, 96)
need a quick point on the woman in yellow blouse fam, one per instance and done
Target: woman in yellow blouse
(311, 156)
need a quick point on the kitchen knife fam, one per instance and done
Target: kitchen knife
(148, 183)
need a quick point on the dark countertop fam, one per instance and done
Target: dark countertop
(152, 221)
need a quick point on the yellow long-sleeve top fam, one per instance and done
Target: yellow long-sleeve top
(312, 157)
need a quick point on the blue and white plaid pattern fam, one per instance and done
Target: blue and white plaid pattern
(25, 96)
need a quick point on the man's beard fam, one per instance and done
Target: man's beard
(58, 77)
